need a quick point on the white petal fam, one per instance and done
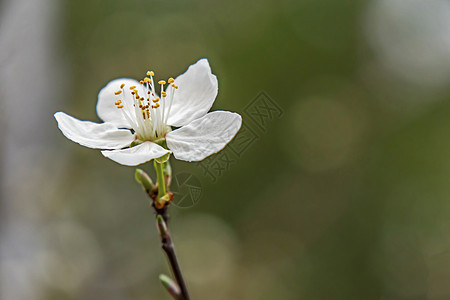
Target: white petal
(136, 155)
(197, 90)
(204, 136)
(106, 109)
(93, 135)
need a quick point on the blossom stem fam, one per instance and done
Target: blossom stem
(160, 177)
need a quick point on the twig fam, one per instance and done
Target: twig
(168, 247)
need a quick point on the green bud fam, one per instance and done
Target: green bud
(161, 201)
(167, 170)
(171, 286)
(162, 227)
(166, 198)
(143, 179)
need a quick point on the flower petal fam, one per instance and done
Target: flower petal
(204, 136)
(136, 155)
(196, 94)
(106, 109)
(93, 135)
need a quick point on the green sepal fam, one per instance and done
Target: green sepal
(163, 158)
(135, 143)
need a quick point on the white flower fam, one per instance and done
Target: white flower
(137, 122)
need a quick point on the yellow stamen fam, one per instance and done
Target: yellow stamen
(132, 87)
(171, 80)
(120, 106)
(164, 94)
(118, 92)
(161, 82)
(155, 100)
(122, 85)
(147, 80)
(141, 82)
(150, 73)
(117, 102)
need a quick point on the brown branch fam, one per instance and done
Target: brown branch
(168, 247)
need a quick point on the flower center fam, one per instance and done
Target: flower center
(144, 110)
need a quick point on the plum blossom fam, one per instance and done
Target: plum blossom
(138, 123)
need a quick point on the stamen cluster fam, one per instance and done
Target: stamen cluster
(149, 113)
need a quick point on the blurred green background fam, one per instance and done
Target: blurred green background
(343, 196)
